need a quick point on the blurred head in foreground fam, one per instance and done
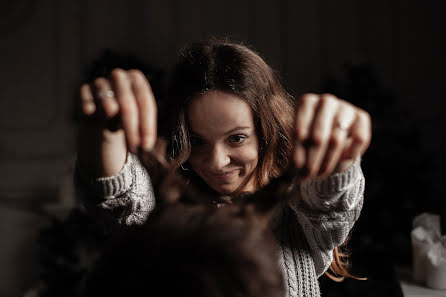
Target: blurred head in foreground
(192, 251)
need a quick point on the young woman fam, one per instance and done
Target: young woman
(235, 128)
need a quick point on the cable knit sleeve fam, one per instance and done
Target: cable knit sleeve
(122, 200)
(327, 210)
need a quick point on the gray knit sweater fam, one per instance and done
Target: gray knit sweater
(319, 217)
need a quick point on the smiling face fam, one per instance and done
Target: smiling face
(224, 144)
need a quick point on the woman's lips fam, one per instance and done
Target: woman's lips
(222, 175)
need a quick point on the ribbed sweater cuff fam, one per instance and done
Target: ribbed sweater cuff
(337, 182)
(111, 186)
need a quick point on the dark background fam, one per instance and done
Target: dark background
(386, 56)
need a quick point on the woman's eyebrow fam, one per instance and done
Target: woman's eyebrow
(237, 129)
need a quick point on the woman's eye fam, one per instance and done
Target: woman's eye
(237, 138)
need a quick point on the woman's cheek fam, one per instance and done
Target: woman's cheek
(248, 155)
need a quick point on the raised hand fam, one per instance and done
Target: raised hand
(125, 100)
(119, 114)
(329, 134)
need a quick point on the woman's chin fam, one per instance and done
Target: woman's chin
(231, 188)
(225, 189)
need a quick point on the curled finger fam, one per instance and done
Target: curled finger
(147, 109)
(87, 105)
(338, 139)
(304, 116)
(105, 96)
(320, 133)
(360, 134)
(128, 108)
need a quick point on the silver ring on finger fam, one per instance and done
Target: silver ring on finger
(343, 125)
(106, 94)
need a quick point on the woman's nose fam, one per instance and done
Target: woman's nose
(218, 158)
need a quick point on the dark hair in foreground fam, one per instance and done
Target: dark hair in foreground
(219, 64)
(192, 250)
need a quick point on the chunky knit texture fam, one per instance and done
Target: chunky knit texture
(319, 217)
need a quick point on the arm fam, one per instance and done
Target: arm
(330, 137)
(327, 210)
(118, 116)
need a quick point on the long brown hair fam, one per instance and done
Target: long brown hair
(233, 68)
(219, 64)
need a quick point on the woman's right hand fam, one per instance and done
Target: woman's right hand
(119, 114)
(131, 102)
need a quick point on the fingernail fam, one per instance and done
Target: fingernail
(89, 109)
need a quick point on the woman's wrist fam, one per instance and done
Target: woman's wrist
(343, 165)
(101, 153)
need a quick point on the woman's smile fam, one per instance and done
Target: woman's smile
(223, 176)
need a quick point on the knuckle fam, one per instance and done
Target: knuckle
(327, 96)
(366, 116)
(360, 139)
(135, 74)
(348, 108)
(361, 114)
(328, 99)
(308, 98)
(348, 104)
(99, 82)
(118, 73)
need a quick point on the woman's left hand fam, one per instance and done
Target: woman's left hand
(329, 134)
